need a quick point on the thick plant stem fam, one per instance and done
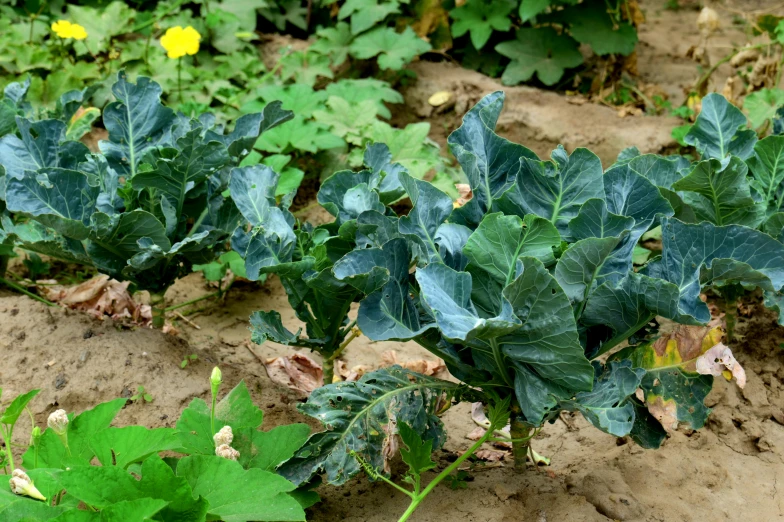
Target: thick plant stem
(521, 436)
(329, 370)
(158, 311)
(3, 265)
(731, 316)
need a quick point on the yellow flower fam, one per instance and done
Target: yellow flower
(178, 41)
(65, 29)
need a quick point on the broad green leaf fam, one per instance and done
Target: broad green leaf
(122, 447)
(277, 445)
(489, 161)
(762, 105)
(159, 482)
(579, 267)
(102, 24)
(300, 134)
(696, 255)
(500, 241)
(720, 130)
(547, 342)
(431, 208)
(594, 220)
(359, 90)
(12, 412)
(555, 190)
(81, 430)
(305, 67)
(334, 42)
(394, 50)
(365, 14)
(609, 405)
(136, 121)
(140, 510)
(541, 51)
(531, 8)
(720, 193)
(361, 415)
(60, 199)
(236, 410)
(481, 18)
(767, 170)
(42, 144)
(647, 432)
(628, 306)
(195, 161)
(591, 23)
(447, 295)
(268, 325)
(115, 241)
(116, 483)
(253, 191)
(238, 495)
(369, 269)
(301, 99)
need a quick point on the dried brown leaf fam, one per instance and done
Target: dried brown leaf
(297, 371)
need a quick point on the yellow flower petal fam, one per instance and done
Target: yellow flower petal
(78, 32)
(178, 41)
(62, 28)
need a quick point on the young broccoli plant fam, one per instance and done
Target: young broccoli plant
(304, 256)
(148, 206)
(521, 292)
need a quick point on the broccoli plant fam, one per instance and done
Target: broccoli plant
(304, 256)
(146, 207)
(737, 180)
(219, 447)
(528, 293)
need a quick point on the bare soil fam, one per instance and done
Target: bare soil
(733, 470)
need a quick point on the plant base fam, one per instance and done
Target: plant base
(521, 434)
(158, 310)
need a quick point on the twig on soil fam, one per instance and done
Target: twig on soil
(178, 314)
(251, 350)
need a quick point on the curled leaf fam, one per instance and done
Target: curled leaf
(720, 361)
(297, 371)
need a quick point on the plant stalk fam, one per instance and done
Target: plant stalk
(179, 80)
(7, 443)
(416, 499)
(25, 292)
(193, 301)
(3, 265)
(520, 433)
(731, 317)
(329, 362)
(158, 311)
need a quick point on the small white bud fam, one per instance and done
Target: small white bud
(223, 437)
(708, 21)
(22, 485)
(58, 421)
(227, 452)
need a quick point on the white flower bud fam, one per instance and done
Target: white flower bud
(58, 421)
(708, 21)
(216, 377)
(224, 436)
(227, 452)
(22, 485)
